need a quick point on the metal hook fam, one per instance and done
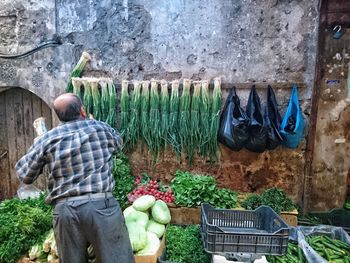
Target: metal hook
(337, 28)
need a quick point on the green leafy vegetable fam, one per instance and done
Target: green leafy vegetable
(124, 181)
(192, 190)
(23, 223)
(273, 197)
(184, 245)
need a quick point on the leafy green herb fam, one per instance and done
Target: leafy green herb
(23, 223)
(192, 190)
(124, 181)
(184, 245)
(273, 197)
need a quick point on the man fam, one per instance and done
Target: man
(79, 154)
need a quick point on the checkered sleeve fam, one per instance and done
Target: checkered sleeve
(118, 141)
(30, 166)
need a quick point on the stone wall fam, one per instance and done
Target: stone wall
(239, 41)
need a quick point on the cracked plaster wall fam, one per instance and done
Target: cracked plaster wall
(239, 41)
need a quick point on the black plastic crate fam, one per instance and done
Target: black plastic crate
(261, 231)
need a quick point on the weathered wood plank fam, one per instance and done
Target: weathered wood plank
(36, 104)
(28, 119)
(19, 133)
(41, 182)
(46, 113)
(11, 139)
(4, 161)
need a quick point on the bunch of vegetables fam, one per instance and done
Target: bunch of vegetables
(204, 120)
(333, 250)
(185, 117)
(134, 127)
(146, 186)
(173, 131)
(46, 251)
(78, 69)
(273, 197)
(124, 181)
(145, 221)
(184, 245)
(195, 132)
(215, 120)
(192, 190)
(124, 110)
(155, 142)
(294, 254)
(23, 223)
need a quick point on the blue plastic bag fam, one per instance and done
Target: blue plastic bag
(292, 127)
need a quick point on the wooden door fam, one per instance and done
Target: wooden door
(18, 109)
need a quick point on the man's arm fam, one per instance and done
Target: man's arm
(30, 166)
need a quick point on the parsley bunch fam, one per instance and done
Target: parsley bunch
(23, 223)
(124, 181)
(184, 245)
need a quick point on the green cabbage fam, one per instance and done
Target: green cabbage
(152, 245)
(137, 217)
(128, 210)
(144, 202)
(161, 212)
(156, 228)
(137, 235)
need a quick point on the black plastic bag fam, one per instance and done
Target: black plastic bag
(272, 120)
(257, 129)
(233, 129)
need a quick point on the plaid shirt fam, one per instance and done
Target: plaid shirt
(79, 156)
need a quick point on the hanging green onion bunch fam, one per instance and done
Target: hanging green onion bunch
(104, 100)
(112, 103)
(164, 102)
(87, 98)
(124, 110)
(215, 119)
(135, 118)
(154, 120)
(195, 120)
(77, 70)
(204, 119)
(145, 127)
(96, 98)
(76, 82)
(185, 117)
(173, 131)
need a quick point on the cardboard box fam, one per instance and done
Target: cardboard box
(291, 218)
(152, 258)
(185, 215)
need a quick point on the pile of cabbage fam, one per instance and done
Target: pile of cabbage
(146, 219)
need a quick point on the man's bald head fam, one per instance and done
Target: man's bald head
(68, 107)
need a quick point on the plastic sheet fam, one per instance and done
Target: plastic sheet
(27, 191)
(299, 233)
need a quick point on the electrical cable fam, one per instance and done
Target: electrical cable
(50, 43)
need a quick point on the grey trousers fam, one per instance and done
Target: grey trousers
(97, 222)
